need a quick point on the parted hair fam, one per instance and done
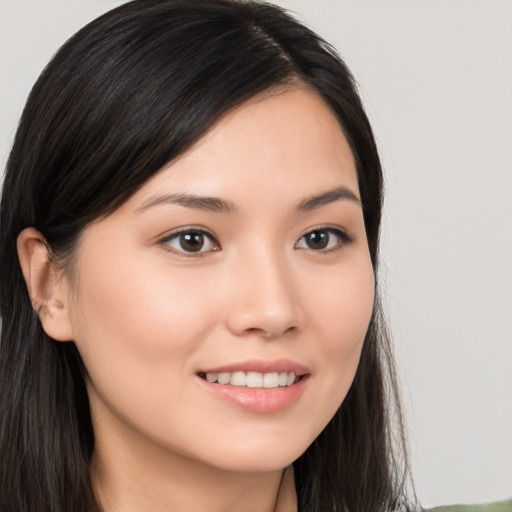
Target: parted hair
(123, 97)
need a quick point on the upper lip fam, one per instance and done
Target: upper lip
(261, 366)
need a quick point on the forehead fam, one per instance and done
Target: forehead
(280, 141)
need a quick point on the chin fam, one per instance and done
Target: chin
(259, 457)
(262, 462)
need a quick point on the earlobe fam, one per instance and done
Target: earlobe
(47, 288)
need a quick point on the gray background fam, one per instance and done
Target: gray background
(436, 77)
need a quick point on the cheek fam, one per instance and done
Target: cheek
(140, 294)
(135, 321)
(138, 328)
(344, 305)
(344, 311)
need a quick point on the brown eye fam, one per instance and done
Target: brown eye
(192, 241)
(317, 240)
(323, 240)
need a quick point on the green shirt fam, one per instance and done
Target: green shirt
(499, 506)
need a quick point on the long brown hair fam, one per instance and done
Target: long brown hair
(123, 97)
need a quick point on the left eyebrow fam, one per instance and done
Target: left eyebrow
(336, 194)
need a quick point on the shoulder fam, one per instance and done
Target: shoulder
(500, 506)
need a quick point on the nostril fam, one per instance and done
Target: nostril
(270, 333)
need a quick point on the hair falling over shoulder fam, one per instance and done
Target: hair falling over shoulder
(127, 94)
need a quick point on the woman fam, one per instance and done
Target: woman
(189, 249)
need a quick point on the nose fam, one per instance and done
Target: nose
(265, 299)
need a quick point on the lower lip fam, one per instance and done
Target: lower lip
(259, 400)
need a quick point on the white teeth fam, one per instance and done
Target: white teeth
(253, 379)
(223, 378)
(212, 377)
(270, 380)
(238, 379)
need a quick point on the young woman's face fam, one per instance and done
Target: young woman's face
(221, 311)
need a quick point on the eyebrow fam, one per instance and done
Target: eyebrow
(336, 194)
(217, 205)
(211, 204)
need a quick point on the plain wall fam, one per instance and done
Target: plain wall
(436, 77)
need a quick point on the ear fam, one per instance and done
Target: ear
(47, 287)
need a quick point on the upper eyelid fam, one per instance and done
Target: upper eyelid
(165, 239)
(186, 229)
(342, 234)
(327, 227)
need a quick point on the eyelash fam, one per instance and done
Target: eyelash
(342, 237)
(190, 231)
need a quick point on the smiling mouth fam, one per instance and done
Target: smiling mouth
(270, 380)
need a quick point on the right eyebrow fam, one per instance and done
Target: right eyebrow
(212, 204)
(336, 194)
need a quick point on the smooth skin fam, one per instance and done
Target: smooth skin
(276, 267)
